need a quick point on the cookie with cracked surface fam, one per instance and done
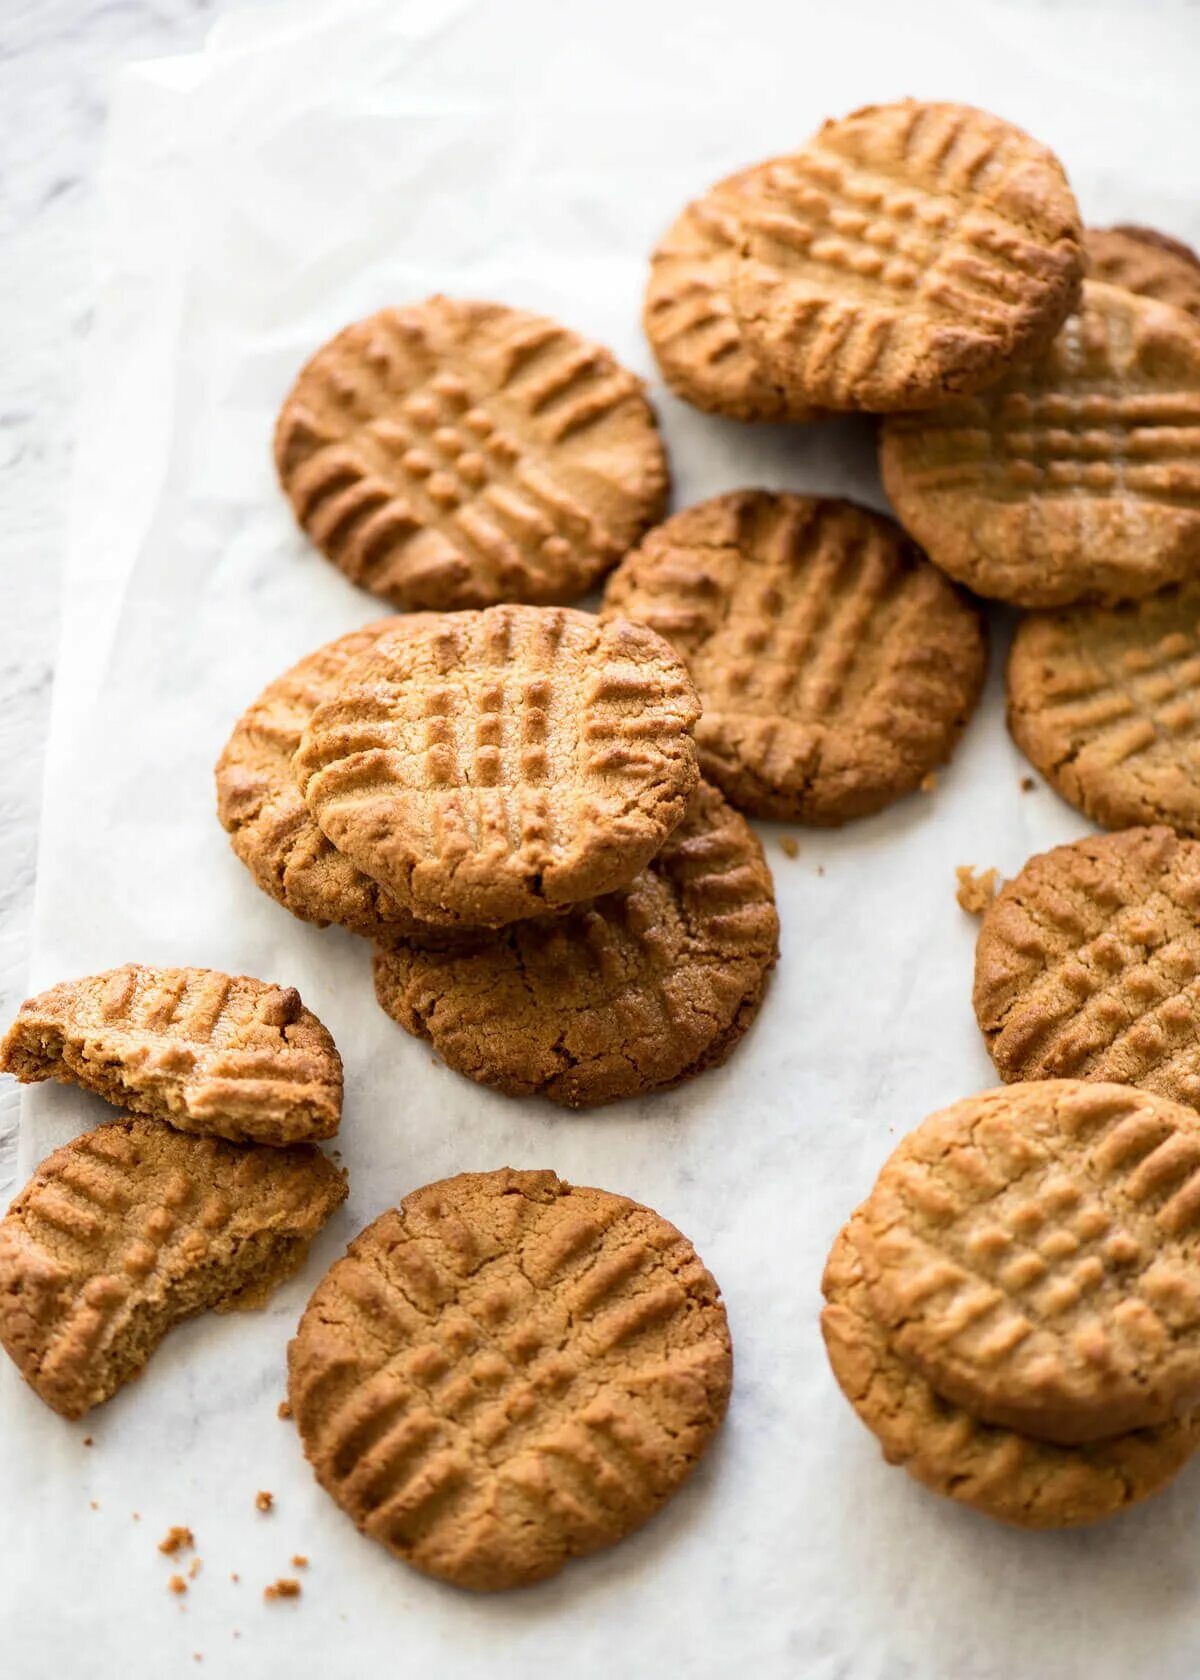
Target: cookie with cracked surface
(908, 253)
(635, 992)
(500, 764)
(835, 666)
(1088, 965)
(508, 1371)
(218, 1054)
(455, 454)
(261, 808)
(134, 1227)
(1033, 1252)
(1012, 1477)
(688, 313)
(1077, 477)
(1152, 264)
(1105, 702)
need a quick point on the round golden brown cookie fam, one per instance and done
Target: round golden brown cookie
(456, 454)
(506, 1372)
(1011, 1477)
(638, 991)
(907, 253)
(1105, 702)
(214, 1053)
(688, 314)
(134, 1227)
(500, 764)
(1075, 478)
(1141, 260)
(260, 806)
(835, 666)
(1033, 1252)
(1088, 965)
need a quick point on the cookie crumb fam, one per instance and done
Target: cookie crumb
(263, 1500)
(177, 1584)
(88, 1441)
(284, 1409)
(136, 1515)
(299, 1561)
(177, 1539)
(194, 1568)
(789, 847)
(1027, 784)
(235, 1577)
(95, 1504)
(975, 892)
(283, 1588)
(929, 781)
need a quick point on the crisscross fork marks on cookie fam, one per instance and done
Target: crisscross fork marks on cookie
(491, 1390)
(1029, 1250)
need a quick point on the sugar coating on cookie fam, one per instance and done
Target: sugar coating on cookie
(1077, 477)
(835, 666)
(1088, 965)
(508, 1371)
(908, 252)
(1012, 1477)
(689, 317)
(220, 1054)
(1152, 264)
(261, 808)
(639, 990)
(500, 764)
(1105, 702)
(1032, 1252)
(455, 454)
(134, 1227)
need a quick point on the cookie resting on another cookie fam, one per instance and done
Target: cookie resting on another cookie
(506, 1372)
(456, 454)
(835, 666)
(134, 1227)
(1152, 264)
(643, 988)
(210, 1053)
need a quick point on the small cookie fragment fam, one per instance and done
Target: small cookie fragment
(907, 253)
(635, 992)
(502, 764)
(508, 1371)
(1031, 1252)
(283, 1588)
(133, 1227)
(261, 808)
(1149, 263)
(1077, 477)
(1011, 1477)
(835, 666)
(697, 340)
(176, 1539)
(176, 1584)
(211, 1053)
(1105, 702)
(1088, 965)
(456, 454)
(975, 892)
(264, 1501)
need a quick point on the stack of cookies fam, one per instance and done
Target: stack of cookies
(508, 801)
(1014, 1310)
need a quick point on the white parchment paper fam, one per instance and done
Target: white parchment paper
(319, 161)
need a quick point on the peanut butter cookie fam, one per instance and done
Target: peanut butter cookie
(497, 765)
(213, 1053)
(1011, 1477)
(1088, 965)
(134, 1227)
(909, 252)
(1105, 702)
(643, 988)
(835, 665)
(457, 454)
(689, 318)
(1032, 1252)
(1152, 264)
(506, 1372)
(1077, 477)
